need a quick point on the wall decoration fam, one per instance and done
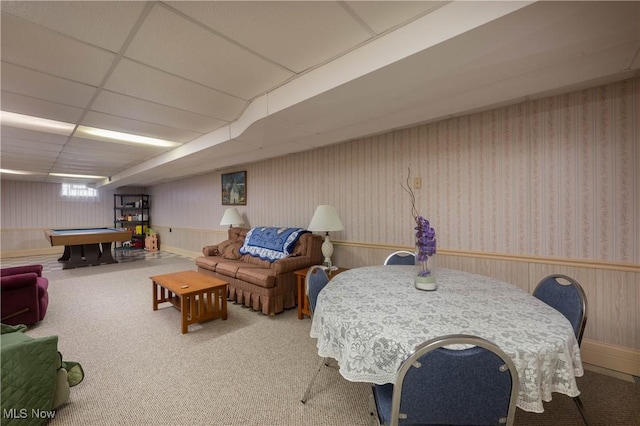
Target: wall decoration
(234, 189)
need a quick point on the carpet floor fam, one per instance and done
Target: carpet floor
(248, 370)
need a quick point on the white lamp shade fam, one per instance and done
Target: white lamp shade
(231, 217)
(325, 219)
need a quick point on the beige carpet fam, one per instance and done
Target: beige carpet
(248, 370)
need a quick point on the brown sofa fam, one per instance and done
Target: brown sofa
(259, 284)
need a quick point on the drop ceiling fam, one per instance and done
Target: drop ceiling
(234, 82)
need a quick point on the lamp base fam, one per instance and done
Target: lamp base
(327, 251)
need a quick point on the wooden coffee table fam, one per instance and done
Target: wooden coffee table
(199, 297)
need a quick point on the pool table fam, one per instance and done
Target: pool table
(86, 246)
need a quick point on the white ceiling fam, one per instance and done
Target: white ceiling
(236, 81)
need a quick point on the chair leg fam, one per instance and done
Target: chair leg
(578, 402)
(374, 419)
(323, 361)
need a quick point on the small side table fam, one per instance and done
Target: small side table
(303, 302)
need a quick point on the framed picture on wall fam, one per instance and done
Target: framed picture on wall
(234, 189)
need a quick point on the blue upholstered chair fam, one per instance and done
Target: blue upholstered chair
(475, 385)
(566, 296)
(315, 281)
(401, 257)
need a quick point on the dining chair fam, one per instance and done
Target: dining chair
(436, 384)
(566, 296)
(315, 281)
(401, 257)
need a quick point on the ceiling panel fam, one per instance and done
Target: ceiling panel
(108, 150)
(50, 52)
(40, 167)
(384, 15)
(170, 42)
(20, 146)
(102, 23)
(38, 108)
(13, 133)
(139, 109)
(141, 128)
(143, 82)
(295, 34)
(35, 84)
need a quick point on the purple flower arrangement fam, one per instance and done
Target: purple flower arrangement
(425, 245)
(425, 240)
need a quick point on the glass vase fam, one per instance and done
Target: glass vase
(426, 272)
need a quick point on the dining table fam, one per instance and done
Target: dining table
(370, 319)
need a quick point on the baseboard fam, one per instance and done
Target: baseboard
(181, 252)
(32, 252)
(613, 357)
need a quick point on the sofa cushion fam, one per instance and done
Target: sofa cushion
(222, 247)
(232, 251)
(229, 267)
(208, 262)
(237, 234)
(300, 248)
(262, 277)
(256, 261)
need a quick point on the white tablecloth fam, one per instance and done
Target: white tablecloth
(370, 319)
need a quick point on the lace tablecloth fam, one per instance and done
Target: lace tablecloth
(370, 319)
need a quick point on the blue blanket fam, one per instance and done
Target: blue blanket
(270, 243)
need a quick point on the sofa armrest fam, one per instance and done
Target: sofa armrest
(12, 282)
(290, 264)
(210, 250)
(21, 270)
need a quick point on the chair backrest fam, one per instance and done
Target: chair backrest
(565, 295)
(401, 257)
(474, 385)
(315, 281)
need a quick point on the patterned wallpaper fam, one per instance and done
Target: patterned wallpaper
(554, 177)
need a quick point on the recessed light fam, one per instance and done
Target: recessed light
(20, 172)
(29, 122)
(77, 176)
(94, 133)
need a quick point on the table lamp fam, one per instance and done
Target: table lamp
(231, 217)
(326, 219)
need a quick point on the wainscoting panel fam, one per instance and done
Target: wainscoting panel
(612, 335)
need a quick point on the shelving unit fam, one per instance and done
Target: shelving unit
(131, 211)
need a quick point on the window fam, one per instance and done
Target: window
(77, 190)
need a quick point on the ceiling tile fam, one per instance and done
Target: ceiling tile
(296, 34)
(26, 163)
(35, 47)
(35, 107)
(34, 149)
(384, 15)
(138, 109)
(141, 128)
(27, 136)
(107, 151)
(35, 84)
(102, 23)
(156, 86)
(174, 44)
